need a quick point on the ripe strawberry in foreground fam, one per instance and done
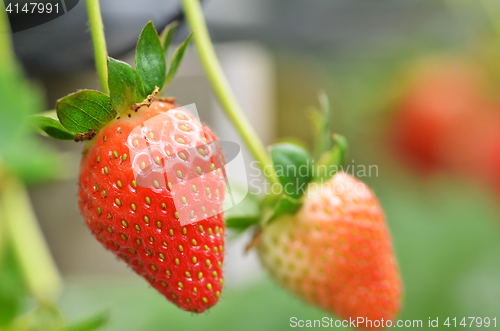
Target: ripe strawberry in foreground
(336, 252)
(150, 187)
(140, 223)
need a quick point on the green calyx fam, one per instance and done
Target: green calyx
(78, 116)
(295, 168)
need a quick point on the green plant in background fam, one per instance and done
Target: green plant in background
(26, 266)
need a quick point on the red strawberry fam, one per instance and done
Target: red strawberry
(442, 100)
(336, 252)
(139, 217)
(446, 122)
(475, 152)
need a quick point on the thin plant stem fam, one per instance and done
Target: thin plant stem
(99, 42)
(19, 225)
(24, 234)
(222, 90)
(6, 55)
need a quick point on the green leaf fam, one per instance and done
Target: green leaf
(285, 205)
(90, 323)
(48, 113)
(167, 35)
(330, 162)
(11, 286)
(50, 127)
(125, 86)
(15, 109)
(19, 141)
(293, 166)
(321, 121)
(241, 223)
(326, 109)
(244, 214)
(46, 316)
(150, 60)
(85, 110)
(176, 60)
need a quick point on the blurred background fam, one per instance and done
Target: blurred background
(415, 87)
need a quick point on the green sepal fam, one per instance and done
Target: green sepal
(176, 60)
(167, 35)
(50, 127)
(125, 86)
(90, 323)
(150, 60)
(292, 165)
(285, 205)
(85, 110)
(321, 121)
(11, 284)
(245, 214)
(241, 223)
(331, 161)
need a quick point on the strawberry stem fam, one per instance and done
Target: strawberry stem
(25, 236)
(99, 41)
(19, 225)
(7, 54)
(222, 90)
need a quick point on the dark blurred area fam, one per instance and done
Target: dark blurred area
(314, 27)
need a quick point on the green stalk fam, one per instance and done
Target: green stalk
(491, 11)
(3, 237)
(19, 224)
(99, 41)
(24, 234)
(6, 55)
(222, 90)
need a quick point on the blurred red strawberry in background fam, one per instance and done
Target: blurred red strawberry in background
(445, 121)
(485, 144)
(442, 98)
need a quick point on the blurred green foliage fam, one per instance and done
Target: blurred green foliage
(11, 288)
(23, 158)
(21, 152)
